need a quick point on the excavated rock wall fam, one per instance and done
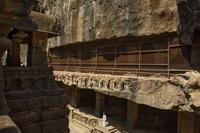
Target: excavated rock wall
(178, 93)
(88, 20)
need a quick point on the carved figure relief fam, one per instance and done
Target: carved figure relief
(35, 83)
(7, 85)
(22, 84)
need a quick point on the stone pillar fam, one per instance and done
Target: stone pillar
(77, 97)
(13, 56)
(132, 113)
(37, 55)
(5, 43)
(188, 123)
(99, 104)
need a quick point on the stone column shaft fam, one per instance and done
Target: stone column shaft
(132, 113)
(99, 104)
(77, 98)
(5, 43)
(188, 122)
(13, 57)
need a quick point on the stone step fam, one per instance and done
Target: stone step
(114, 131)
(102, 129)
(108, 129)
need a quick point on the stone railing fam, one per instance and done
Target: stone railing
(26, 71)
(87, 120)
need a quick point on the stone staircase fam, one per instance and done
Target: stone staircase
(108, 129)
(113, 127)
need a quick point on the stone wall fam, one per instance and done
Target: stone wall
(178, 93)
(87, 20)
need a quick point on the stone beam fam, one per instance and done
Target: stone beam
(179, 93)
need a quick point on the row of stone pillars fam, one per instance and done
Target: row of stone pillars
(187, 122)
(132, 109)
(37, 55)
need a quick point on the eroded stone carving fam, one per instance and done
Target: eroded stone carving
(188, 11)
(7, 85)
(157, 92)
(47, 84)
(88, 120)
(22, 84)
(35, 83)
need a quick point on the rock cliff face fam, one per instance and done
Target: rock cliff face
(178, 93)
(87, 20)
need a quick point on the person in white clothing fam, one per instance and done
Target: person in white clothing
(104, 119)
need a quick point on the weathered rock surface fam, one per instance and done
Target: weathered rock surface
(189, 25)
(178, 93)
(88, 20)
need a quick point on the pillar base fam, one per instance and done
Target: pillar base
(131, 124)
(97, 113)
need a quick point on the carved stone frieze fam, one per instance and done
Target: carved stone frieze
(26, 71)
(27, 94)
(36, 102)
(29, 88)
(157, 92)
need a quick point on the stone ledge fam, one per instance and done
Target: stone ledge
(179, 93)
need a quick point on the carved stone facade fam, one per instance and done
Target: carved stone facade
(32, 99)
(33, 93)
(10, 10)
